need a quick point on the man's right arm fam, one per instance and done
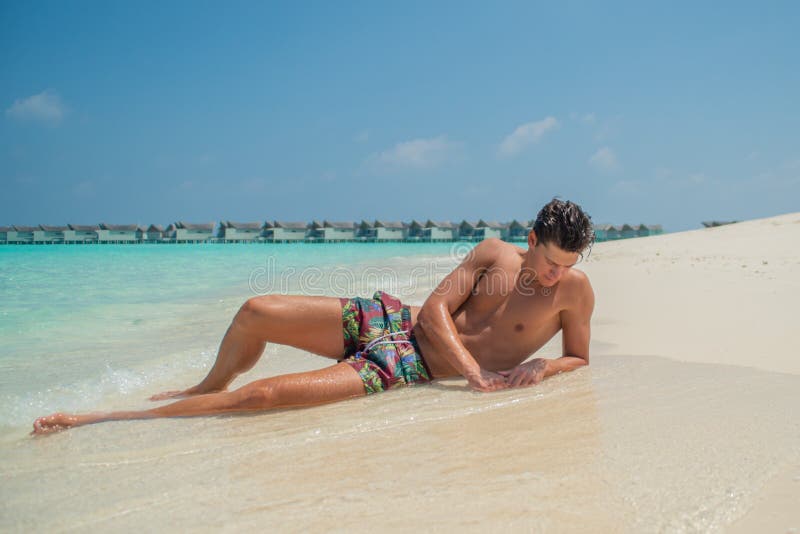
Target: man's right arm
(436, 316)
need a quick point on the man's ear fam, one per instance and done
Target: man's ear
(532, 239)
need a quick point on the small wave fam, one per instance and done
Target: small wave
(114, 387)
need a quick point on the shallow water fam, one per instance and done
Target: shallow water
(84, 326)
(632, 443)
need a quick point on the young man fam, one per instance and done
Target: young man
(502, 304)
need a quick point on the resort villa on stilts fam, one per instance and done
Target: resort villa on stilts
(415, 231)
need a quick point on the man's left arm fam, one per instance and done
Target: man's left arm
(575, 332)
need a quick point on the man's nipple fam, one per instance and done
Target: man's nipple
(518, 327)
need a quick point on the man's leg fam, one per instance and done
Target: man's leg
(323, 386)
(313, 324)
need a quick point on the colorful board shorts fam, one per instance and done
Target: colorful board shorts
(379, 343)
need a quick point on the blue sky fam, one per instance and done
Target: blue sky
(152, 112)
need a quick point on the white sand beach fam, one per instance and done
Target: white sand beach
(725, 295)
(685, 421)
(717, 295)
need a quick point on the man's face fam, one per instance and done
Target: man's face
(551, 262)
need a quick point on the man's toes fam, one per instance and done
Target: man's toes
(43, 425)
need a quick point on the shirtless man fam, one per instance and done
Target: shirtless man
(500, 305)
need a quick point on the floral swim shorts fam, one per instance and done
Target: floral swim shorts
(379, 343)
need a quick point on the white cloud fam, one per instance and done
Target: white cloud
(45, 107)
(604, 159)
(525, 135)
(417, 153)
(362, 136)
(589, 118)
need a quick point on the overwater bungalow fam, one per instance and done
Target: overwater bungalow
(390, 231)
(49, 234)
(193, 233)
(169, 233)
(24, 234)
(439, 231)
(81, 233)
(487, 229)
(4, 231)
(627, 231)
(283, 231)
(119, 233)
(604, 232)
(154, 233)
(365, 231)
(236, 232)
(466, 230)
(333, 232)
(644, 230)
(416, 231)
(517, 231)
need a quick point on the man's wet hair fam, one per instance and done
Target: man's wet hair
(564, 224)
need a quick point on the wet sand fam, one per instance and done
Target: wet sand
(685, 421)
(634, 443)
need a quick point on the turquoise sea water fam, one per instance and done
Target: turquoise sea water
(80, 325)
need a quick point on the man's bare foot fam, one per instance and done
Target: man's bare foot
(180, 393)
(58, 422)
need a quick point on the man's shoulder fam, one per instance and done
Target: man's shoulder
(493, 243)
(489, 251)
(497, 247)
(577, 277)
(576, 286)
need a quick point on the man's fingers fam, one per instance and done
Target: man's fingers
(493, 385)
(520, 379)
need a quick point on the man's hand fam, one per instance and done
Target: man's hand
(528, 374)
(486, 381)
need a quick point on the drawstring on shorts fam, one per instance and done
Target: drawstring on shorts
(377, 341)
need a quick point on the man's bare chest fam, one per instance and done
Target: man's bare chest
(506, 310)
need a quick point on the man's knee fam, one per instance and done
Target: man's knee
(256, 397)
(257, 310)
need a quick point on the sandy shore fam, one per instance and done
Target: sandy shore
(726, 295)
(718, 295)
(685, 421)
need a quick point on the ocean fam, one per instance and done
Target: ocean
(82, 325)
(633, 443)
